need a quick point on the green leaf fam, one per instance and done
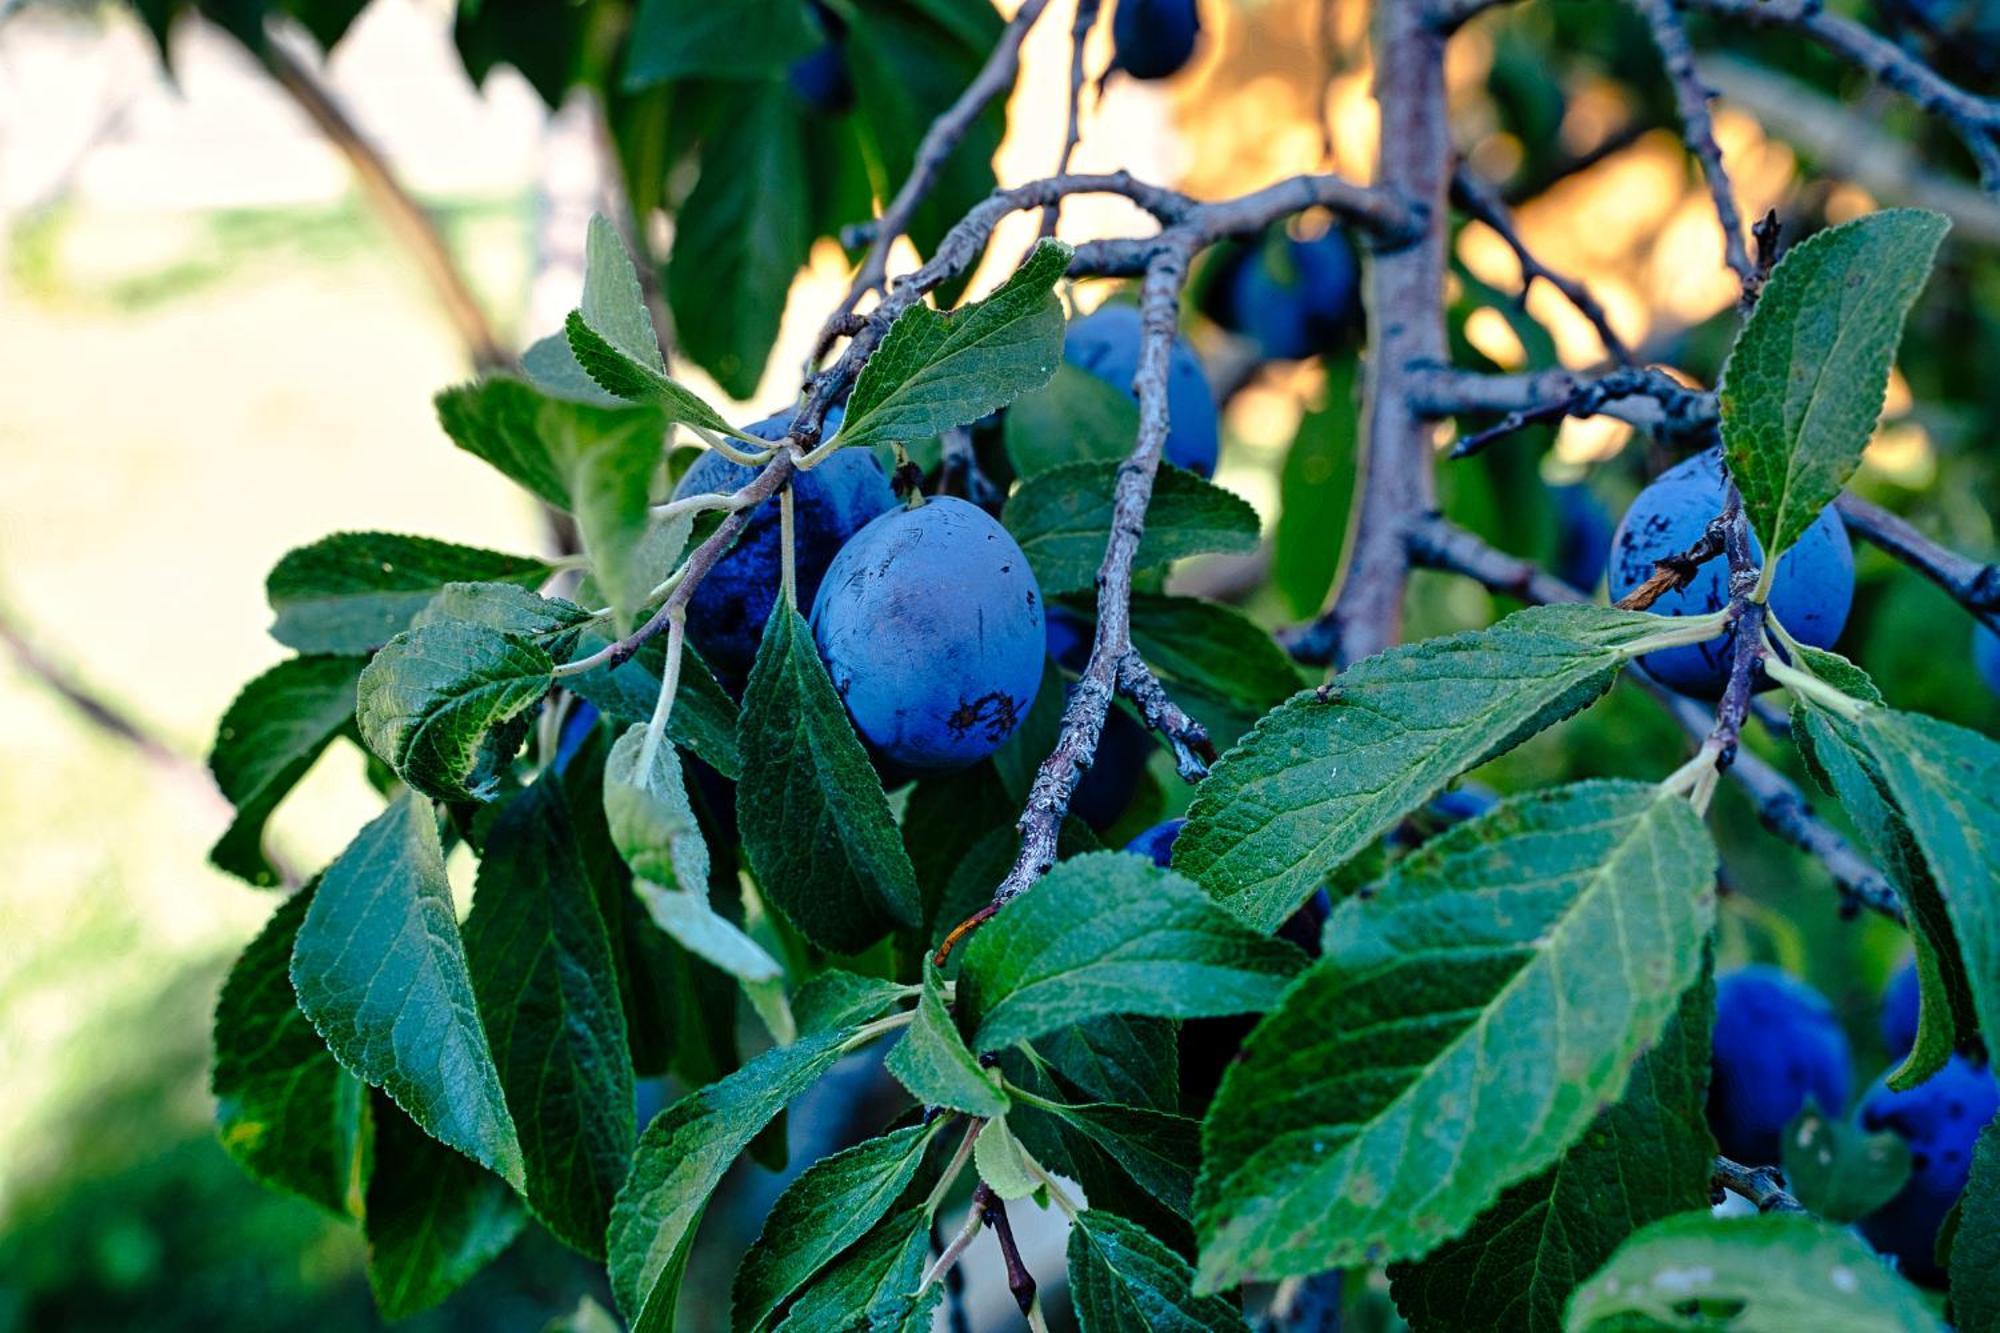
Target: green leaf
(1074, 418)
(287, 1112)
(1839, 1171)
(1316, 493)
(270, 736)
(1975, 1249)
(838, 999)
(704, 718)
(1804, 384)
(1120, 1278)
(743, 233)
(1215, 662)
(1117, 1058)
(1645, 1158)
(1319, 780)
(828, 1208)
(504, 607)
(444, 705)
(614, 306)
(681, 1159)
(1778, 1273)
(1109, 933)
(816, 827)
(542, 968)
(1062, 519)
(433, 1219)
(352, 592)
(874, 1277)
(677, 39)
(932, 1062)
(596, 462)
(381, 972)
(652, 824)
(1925, 796)
(552, 367)
(936, 370)
(1472, 1014)
(1159, 1150)
(1005, 1163)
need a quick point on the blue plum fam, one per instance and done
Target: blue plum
(1811, 595)
(1939, 1119)
(930, 622)
(1153, 39)
(820, 77)
(1899, 1012)
(1583, 536)
(1300, 299)
(1106, 343)
(1777, 1043)
(1986, 656)
(830, 504)
(1069, 638)
(1157, 842)
(576, 729)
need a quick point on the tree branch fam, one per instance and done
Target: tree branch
(1761, 1185)
(1020, 1282)
(1976, 586)
(1193, 751)
(1079, 33)
(1647, 398)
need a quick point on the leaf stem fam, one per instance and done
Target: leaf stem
(955, 1167)
(1810, 687)
(1679, 631)
(951, 1253)
(670, 679)
(788, 560)
(747, 457)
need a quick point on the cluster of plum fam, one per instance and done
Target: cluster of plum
(1778, 1045)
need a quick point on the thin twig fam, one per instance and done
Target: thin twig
(1975, 586)
(1645, 397)
(1481, 202)
(1674, 572)
(1079, 33)
(1193, 750)
(1019, 1280)
(1746, 649)
(1761, 1185)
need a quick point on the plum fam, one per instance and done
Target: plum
(1811, 595)
(1153, 39)
(930, 623)
(1106, 343)
(820, 77)
(1776, 1044)
(1157, 842)
(831, 503)
(1298, 300)
(1899, 1012)
(1939, 1119)
(1986, 656)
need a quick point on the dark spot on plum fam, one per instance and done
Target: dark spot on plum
(995, 712)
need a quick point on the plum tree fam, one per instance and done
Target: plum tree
(1296, 298)
(1153, 39)
(1939, 1119)
(931, 624)
(1106, 343)
(1813, 590)
(832, 502)
(1777, 1043)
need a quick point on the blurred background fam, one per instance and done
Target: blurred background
(215, 345)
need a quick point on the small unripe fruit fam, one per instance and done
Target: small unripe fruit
(930, 623)
(1811, 594)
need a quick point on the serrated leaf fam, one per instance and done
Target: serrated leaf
(704, 719)
(351, 592)
(1975, 1247)
(1074, 418)
(1319, 780)
(1472, 1014)
(631, 381)
(286, 1110)
(1158, 1149)
(1804, 384)
(1108, 933)
(1645, 1158)
(1118, 1058)
(272, 733)
(876, 1275)
(676, 39)
(931, 1060)
(1214, 660)
(596, 462)
(1005, 1163)
(1120, 1279)
(552, 367)
(680, 1160)
(935, 370)
(1776, 1273)
(381, 972)
(503, 607)
(1925, 796)
(433, 1219)
(828, 1208)
(816, 826)
(542, 968)
(1062, 519)
(444, 705)
(839, 999)
(614, 305)
(1839, 1171)
(646, 807)
(743, 233)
